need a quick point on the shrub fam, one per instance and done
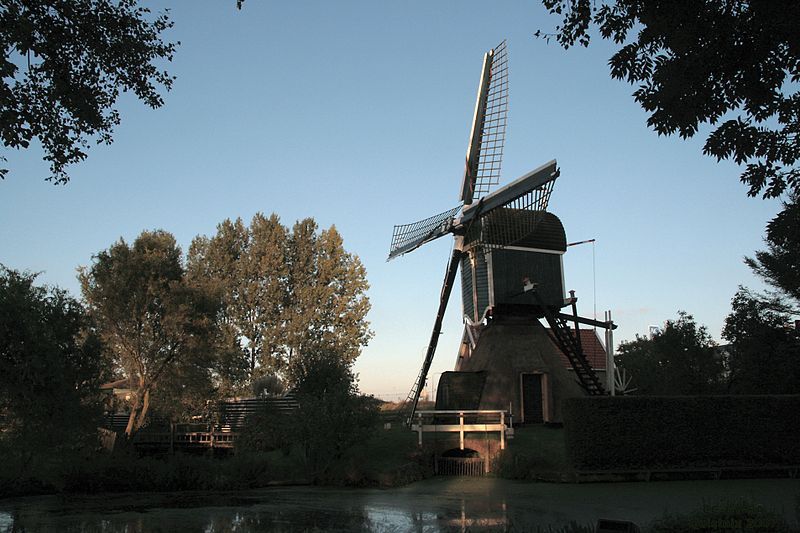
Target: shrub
(265, 430)
(633, 432)
(734, 515)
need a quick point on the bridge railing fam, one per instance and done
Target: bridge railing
(181, 436)
(463, 421)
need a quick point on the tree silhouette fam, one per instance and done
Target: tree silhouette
(731, 64)
(64, 64)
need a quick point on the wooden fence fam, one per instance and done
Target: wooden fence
(460, 466)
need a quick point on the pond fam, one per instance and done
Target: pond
(439, 504)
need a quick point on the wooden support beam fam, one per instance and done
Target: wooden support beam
(586, 321)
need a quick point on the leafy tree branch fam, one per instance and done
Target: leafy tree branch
(64, 64)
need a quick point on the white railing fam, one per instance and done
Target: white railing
(461, 422)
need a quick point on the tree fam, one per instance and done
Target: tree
(51, 364)
(764, 354)
(733, 64)
(64, 65)
(680, 360)
(247, 267)
(327, 302)
(153, 320)
(779, 264)
(284, 291)
(332, 416)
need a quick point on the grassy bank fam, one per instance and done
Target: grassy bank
(387, 458)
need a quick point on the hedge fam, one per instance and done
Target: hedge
(632, 432)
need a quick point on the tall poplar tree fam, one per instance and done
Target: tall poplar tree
(327, 296)
(246, 267)
(284, 292)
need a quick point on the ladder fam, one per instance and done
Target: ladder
(570, 345)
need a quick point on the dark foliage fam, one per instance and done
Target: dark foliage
(728, 515)
(50, 370)
(764, 354)
(641, 432)
(779, 264)
(265, 431)
(731, 64)
(50, 365)
(682, 359)
(64, 65)
(332, 416)
(127, 472)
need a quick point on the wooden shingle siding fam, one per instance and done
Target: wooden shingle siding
(509, 267)
(481, 283)
(466, 288)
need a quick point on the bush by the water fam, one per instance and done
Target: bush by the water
(734, 515)
(537, 452)
(641, 432)
(126, 472)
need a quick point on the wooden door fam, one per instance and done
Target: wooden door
(532, 404)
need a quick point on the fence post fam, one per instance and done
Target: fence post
(461, 428)
(419, 428)
(502, 430)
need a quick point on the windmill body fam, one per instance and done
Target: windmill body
(509, 250)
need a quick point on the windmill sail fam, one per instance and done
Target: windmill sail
(408, 237)
(511, 213)
(447, 286)
(485, 150)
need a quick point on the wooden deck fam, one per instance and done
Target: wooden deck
(179, 438)
(220, 432)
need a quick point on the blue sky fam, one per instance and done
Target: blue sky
(357, 114)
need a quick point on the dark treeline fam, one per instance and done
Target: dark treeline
(762, 354)
(252, 310)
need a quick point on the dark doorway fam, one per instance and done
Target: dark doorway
(532, 412)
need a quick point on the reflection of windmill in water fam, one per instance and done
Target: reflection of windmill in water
(509, 249)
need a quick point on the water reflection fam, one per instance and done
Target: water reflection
(287, 510)
(430, 506)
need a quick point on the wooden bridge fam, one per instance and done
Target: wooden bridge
(475, 451)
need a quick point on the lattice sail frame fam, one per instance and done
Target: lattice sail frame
(495, 120)
(513, 221)
(408, 237)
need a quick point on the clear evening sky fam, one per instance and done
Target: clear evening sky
(358, 114)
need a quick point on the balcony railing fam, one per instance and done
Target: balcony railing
(461, 422)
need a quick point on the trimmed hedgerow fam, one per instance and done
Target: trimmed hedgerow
(682, 431)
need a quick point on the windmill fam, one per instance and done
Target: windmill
(506, 244)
